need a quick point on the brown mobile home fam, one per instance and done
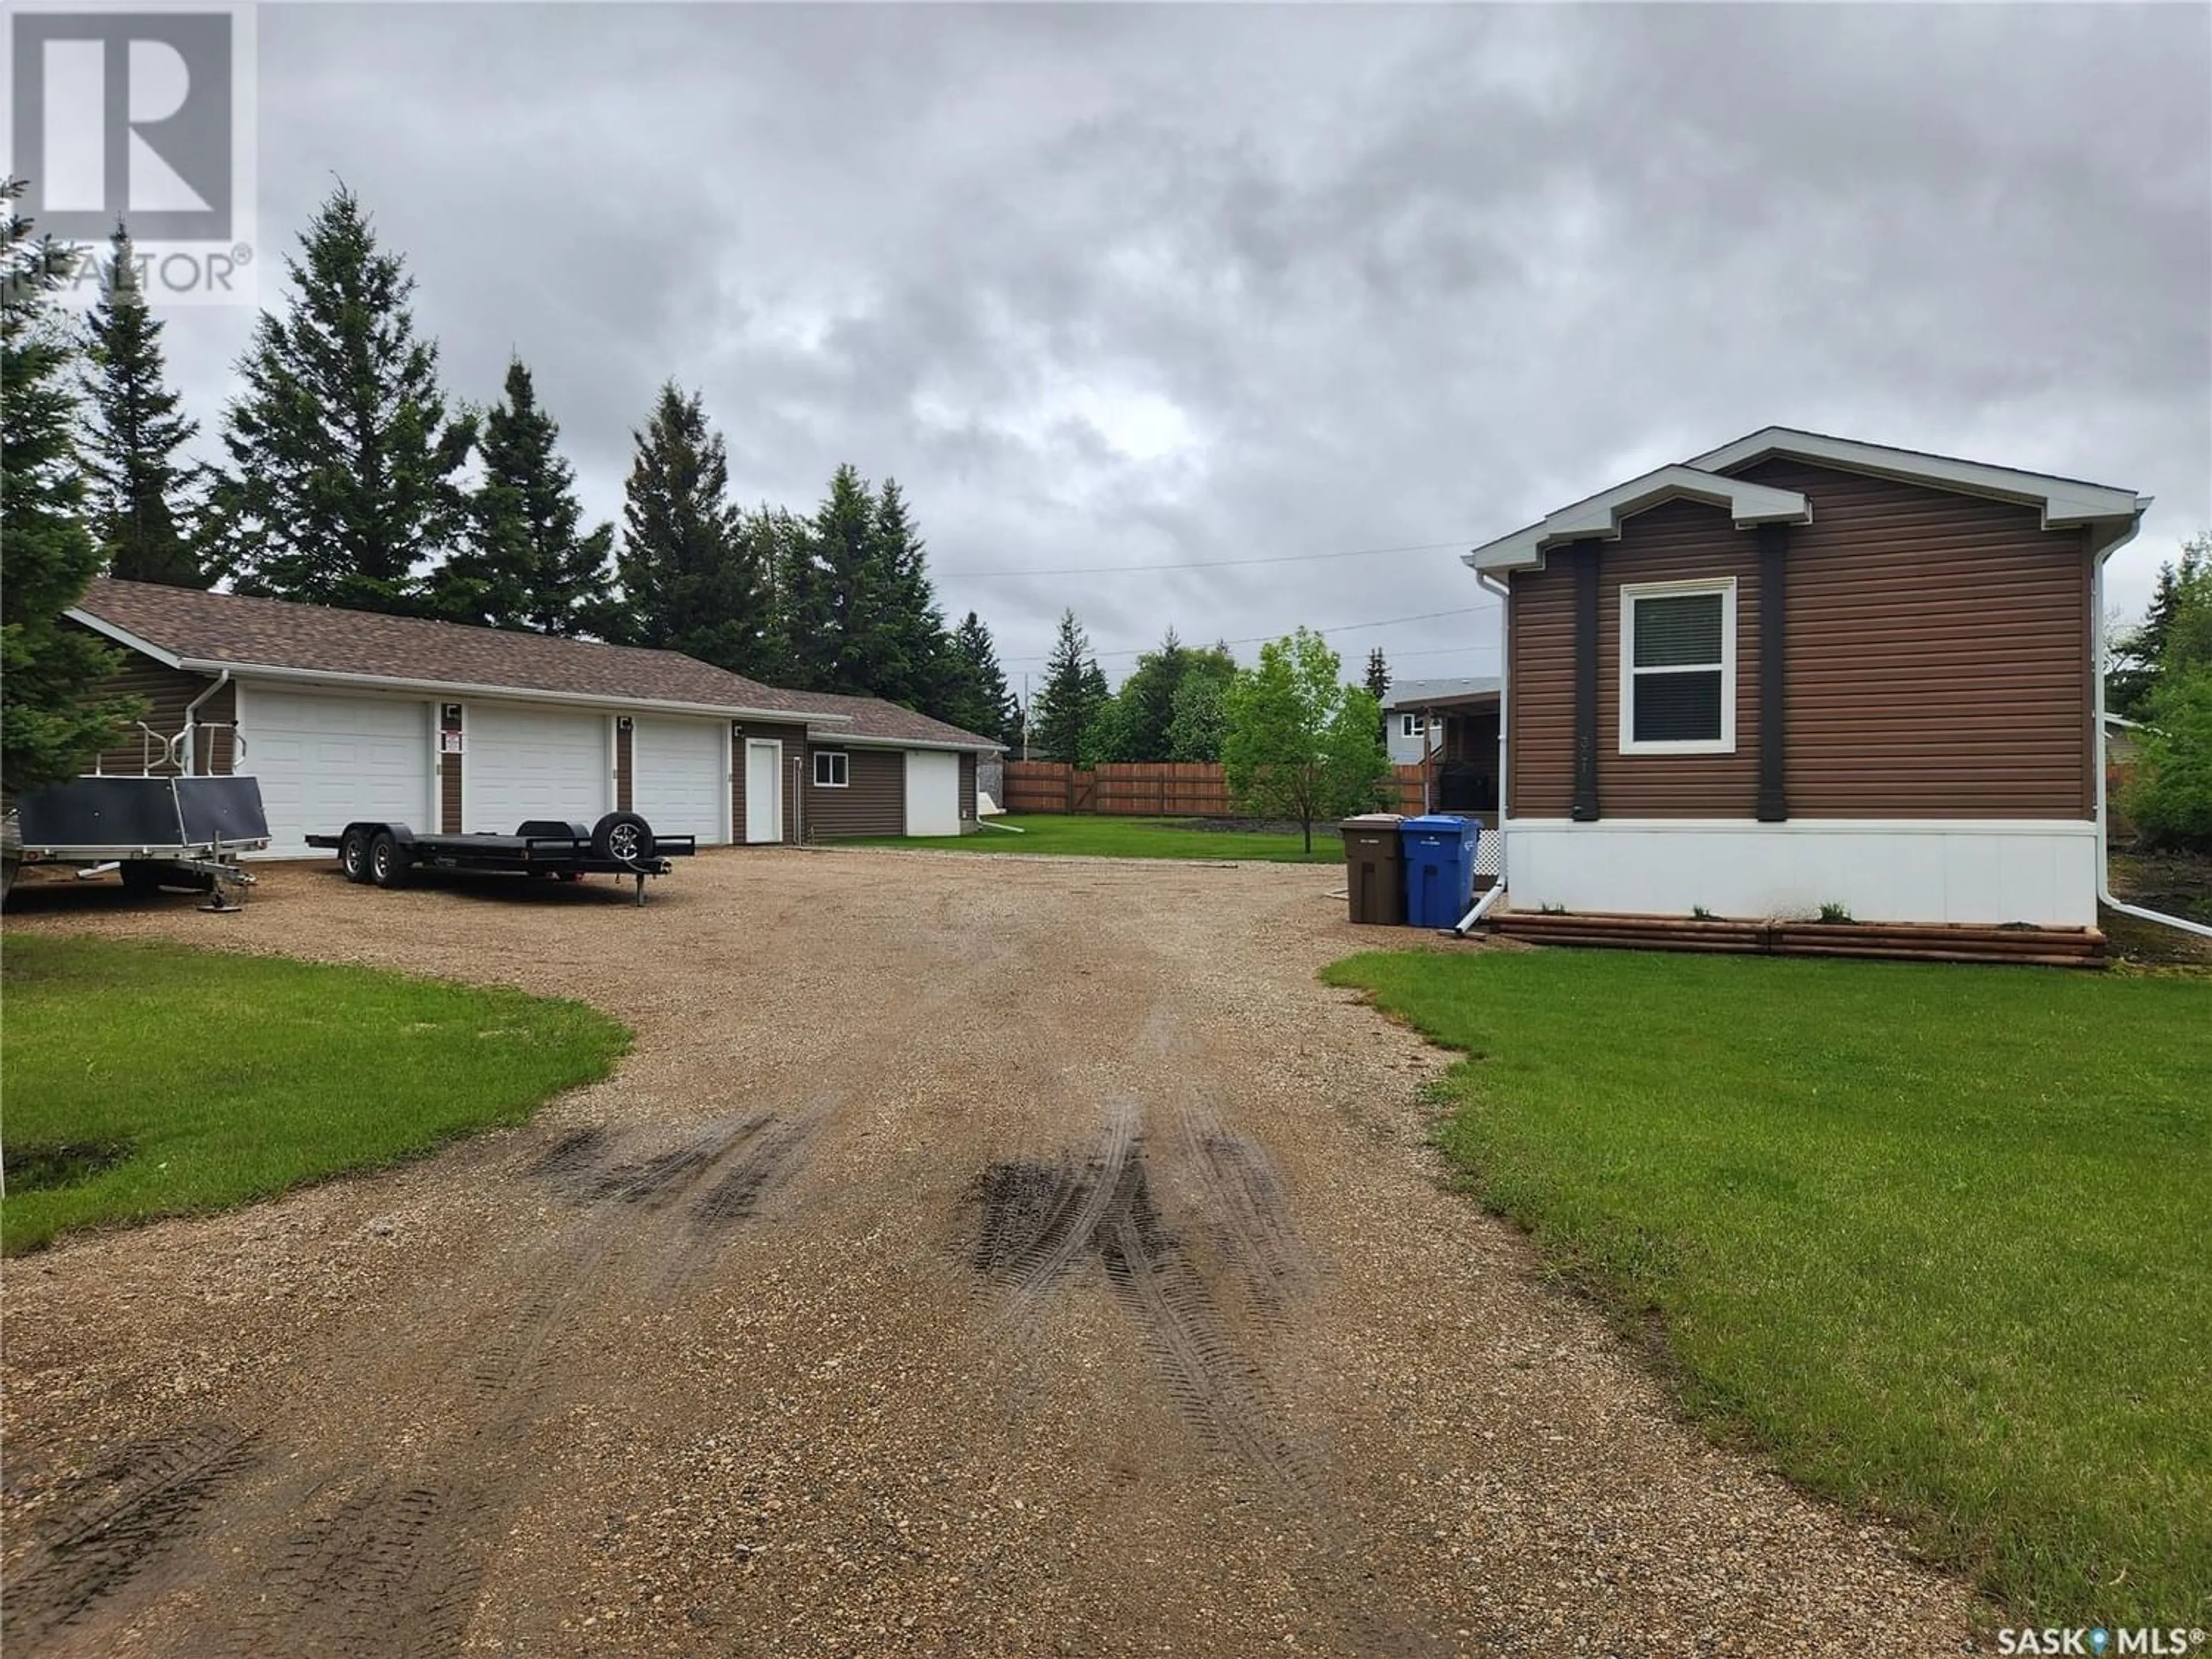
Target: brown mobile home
(1802, 670)
(345, 714)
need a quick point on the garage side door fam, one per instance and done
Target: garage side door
(325, 760)
(932, 793)
(534, 763)
(681, 776)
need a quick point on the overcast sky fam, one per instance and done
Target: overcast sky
(1141, 286)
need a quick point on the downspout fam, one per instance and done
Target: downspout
(2097, 748)
(189, 761)
(1482, 906)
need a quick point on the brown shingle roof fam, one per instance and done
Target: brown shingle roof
(228, 630)
(872, 717)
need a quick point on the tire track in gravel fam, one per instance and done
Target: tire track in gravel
(393, 1568)
(126, 1516)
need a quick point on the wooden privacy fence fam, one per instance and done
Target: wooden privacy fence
(1150, 789)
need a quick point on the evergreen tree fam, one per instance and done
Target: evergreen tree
(1378, 687)
(832, 605)
(1140, 724)
(52, 719)
(343, 454)
(1068, 703)
(133, 432)
(2139, 655)
(981, 701)
(690, 578)
(526, 563)
(915, 666)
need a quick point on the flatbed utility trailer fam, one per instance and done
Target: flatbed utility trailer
(185, 831)
(386, 853)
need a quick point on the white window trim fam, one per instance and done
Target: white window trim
(1411, 725)
(845, 782)
(1631, 591)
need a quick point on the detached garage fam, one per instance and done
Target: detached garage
(346, 715)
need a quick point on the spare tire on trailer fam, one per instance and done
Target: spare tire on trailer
(623, 838)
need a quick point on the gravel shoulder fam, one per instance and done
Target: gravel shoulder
(977, 1254)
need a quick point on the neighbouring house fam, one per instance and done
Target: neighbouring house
(345, 714)
(1802, 670)
(1450, 728)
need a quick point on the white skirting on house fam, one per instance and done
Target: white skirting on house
(1934, 870)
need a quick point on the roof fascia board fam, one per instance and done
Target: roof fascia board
(1600, 516)
(2065, 502)
(510, 693)
(122, 637)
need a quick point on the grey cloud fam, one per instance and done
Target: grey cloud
(1401, 275)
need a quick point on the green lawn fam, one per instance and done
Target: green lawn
(140, 1080)
(1940, 1236)
(1130, 838)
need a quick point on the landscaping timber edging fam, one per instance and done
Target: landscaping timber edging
(2065, 947)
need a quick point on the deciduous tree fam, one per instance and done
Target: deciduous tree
(1301, 745)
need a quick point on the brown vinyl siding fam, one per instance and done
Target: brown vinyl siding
(793, 739)
(967, 789)
(625, 768)
(1938, 661)
(1681, 541)
(449, 773)
(872, 803)
(168, 692)
(1939, 654)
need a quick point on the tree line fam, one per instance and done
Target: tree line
(351, 478)
(2161, 675)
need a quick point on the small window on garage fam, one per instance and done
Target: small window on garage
(830, 769)
(1677, 668)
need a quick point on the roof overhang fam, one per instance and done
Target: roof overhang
(849, 740)
(1600, 516)
(1444, 704)
(336, 679)
(2064, 503)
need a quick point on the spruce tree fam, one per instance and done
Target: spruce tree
(51, 716)
(837, 605)
(690, 577)
(1068, 703)
(140, 488)
(915, 666)
(1378, 685)
(526, 562)
(979, 701)
(343, 454)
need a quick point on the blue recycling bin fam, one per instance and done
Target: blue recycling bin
(1439, 869)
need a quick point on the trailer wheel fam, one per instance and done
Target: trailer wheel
(353, 854)
(388, 861)
(623, 837)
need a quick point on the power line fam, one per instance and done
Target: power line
(1263, 638)
(1207, 564)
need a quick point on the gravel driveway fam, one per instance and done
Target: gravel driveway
(977, 1256)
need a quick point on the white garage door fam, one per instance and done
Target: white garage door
(534, 763)
(932, 793)
(680, 777)
(323, 761)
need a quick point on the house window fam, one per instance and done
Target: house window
(830, 769)
(1411, 726)
(1677, 668)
